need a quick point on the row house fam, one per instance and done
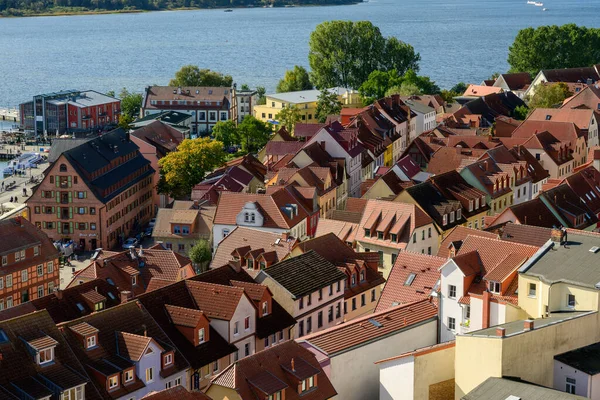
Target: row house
(309, 288)
(363, 280)
(585, 119)
(286, 371)
(30, 268)
(95, 194)
(434, 101)
(340, 142)
(69, 111)
(572, 210)
(277, 212)
(371, 338)
(155, 141)
(539, 176)
(482, 111)
(315, 154)
(233, 179)
(376, 133)
(425, 116)
(39, 363)
(134, 272)
(319, 178)
(218, 318)
(390, 227)
(479, 285)
(404, 121)
(254, 249)
(488, 177)
(125, 352)
(248, 164)
(207, 105)
(533, 212)
(519, 172)
(566, 132)
(586, 184)
(179, 228)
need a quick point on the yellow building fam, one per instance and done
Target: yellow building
(305, 101)
(388, 156)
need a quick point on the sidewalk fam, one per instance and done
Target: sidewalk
(21, 183)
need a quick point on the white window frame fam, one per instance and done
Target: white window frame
(452, 291)
(532, 293)
(90, 342)
(128, 375)
(112, 379)
(168, 359)
(149, 375)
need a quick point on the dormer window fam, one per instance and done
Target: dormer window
(367, 232)
(134, 280)
(113, 382)
(362, 275)
(353, 280)
(445, 219)
(379, 235)
(394, 237)
(45, 356)
(265, 308)
(308, 384)
(176, 229)
(275, 396)
(128, 376)
(99, 306)
(458, 214)
(90, 342)
(185, 230)
(476, 204)
(451, 216)
(168, 359)
(470, 205)
(494, 287)
(200, 335)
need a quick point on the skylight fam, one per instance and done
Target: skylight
(110, 281)
(112, 296)
(375, 323)
(3, 337)
(80, 307)
(410, 279)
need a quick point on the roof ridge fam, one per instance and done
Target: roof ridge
(504, 241)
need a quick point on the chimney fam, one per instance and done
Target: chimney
(501, 332)
(293, 365)
(528, 325)
(285, 236)
(141, 252)
(196, 204)
(485, 323)
(556, 236)
(125, 296)
(236, 265)
(145, 330)
(59, 294)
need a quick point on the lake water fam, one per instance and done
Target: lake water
(459, 40)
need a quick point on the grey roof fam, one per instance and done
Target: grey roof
(502, 388)
(59, 146)
(586, 359)
(518, 327)
(573, 263)
(169, 117)
(86, 98)
(304, 96)
(419, 107)
(305, 273)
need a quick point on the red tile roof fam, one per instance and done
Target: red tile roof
(478, 91)
(399, 289)
(361, 331)
(176, 393)
(460, 233)
(580, 117)
(346, 231)
(216, 301)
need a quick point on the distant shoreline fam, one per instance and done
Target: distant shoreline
(64, 13)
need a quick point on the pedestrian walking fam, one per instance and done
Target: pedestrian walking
(11, 199)
(16, 199)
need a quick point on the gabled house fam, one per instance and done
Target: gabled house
(584, 75)
(488, 177)
(389, 227)
(125, 352)
(134, 272)
(553, 154)
(517, 83)
(231, 179)
(413, 277)
(404, 121)
(363, 280)
(38, 363)
(569, 208)
(286, 371)
(425, 116)
(371, 338)
(482, 111)
(524, 234)
(585, 119)
(344, 230)
(456, 236)
(310, 288)
(532, 212)
(446, 159)
(247, 163)
(479, 285)
(586, 184)
(278, 212)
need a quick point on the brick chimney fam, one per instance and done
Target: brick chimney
(485, 321)
(285, 236)
(501, 332)
(125, 296)
(528, 325)
(236, 265)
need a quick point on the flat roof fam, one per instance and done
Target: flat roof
(304, 96)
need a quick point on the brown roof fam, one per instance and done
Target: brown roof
(478, 91)
(447, 159)
(525, 234)
(460, 233)
(18, 234)
(182, 316)
(346, 231)
(216, 301)
(131, 346)
(176, 393)
(588, 97)
(563, 131)
(356, 205)
(580, 117)
(331, 247)
(271, 370)
(517, 80)
(242, 237)
(423, 272)
(361, 331)
(84, 329)
(163, 136)
(203, 219)
(307, 130)
(254, 290)
(191, 94)
(532, 212)
(269, 205)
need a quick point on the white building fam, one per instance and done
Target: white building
(578, 371)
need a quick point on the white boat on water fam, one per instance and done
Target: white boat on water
(21, 163)
(538, 4)
(544, 9)
(531, 2)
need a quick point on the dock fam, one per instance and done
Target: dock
(9, 114)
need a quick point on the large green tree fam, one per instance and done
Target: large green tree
(377, 85)
(344, 53)
(182, 169)
(226, 132)
(200, 254)
(253, 134)
(553, 47)
(288, 117)
(192, 75)
(295, 79)
(549, 95)
(328, 104)
(130, 103)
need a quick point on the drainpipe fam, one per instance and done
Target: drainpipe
(485, 320)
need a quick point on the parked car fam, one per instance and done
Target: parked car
(130, 242)
(147, 232)
(152, 223)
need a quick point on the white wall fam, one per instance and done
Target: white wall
(522, 193)
(312, 311)
(450, 275)
(361, 380)
(396, 379)
(158, 382)
(582, 380)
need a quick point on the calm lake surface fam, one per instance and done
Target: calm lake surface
(460, 40)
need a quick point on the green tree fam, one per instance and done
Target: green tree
(226, 132)
(425, 85)
(294, 80)
(245, 87)
(289, 117)
(459, 88)
(125, 121)
(260, 93)
(192, 75)
(253, 134)
(405, 89)
(553, 47)
(378, 84)
(328, 104)
(110, 93)
(521, 113)
(182, 169)
(493, 77)
(200, 254)
(549, 95)
(344, 53)
(131, 103)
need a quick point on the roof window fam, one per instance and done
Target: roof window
(409, 280)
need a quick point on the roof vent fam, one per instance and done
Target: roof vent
(511, 397)
(594, 249)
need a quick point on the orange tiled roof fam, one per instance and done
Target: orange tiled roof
(346, 231)
(131, 346)
(216, 301)
(478, 90)
(460, 233)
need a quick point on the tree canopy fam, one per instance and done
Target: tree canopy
(344, 53)
(387, 83)
(253, 134)
(130, 107)
(553, 47)
(226, 133)
(295, 79)
(288, 117)
(549, 95)
(328, 104)
(182, 169)
(200, 253)
(192, 75)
